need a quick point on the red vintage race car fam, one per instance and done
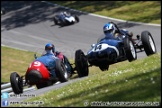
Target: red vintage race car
(38, 74)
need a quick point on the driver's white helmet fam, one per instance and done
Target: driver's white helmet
(65, 13)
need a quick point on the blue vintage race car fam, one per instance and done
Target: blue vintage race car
(65, 18)
(108, 51)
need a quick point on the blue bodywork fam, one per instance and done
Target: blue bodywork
(108, 51)
(49, 61)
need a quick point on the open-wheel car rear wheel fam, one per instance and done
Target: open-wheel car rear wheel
(148, 43)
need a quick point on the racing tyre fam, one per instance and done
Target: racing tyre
(69, 68)
(148, 43)
(16, 83)
(76, 18)
(61, 71)
(55, 21)
(81, 63)
(130, 50)
(62, 23)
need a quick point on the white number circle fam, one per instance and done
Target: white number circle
(37, 63)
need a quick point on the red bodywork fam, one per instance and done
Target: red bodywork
(36, 65)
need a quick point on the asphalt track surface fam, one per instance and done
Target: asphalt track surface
(28, 25)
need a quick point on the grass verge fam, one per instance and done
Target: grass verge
(138, 82)
(14, 60)
(139, 11)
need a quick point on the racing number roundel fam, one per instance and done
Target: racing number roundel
(98, 47)
(37, 63)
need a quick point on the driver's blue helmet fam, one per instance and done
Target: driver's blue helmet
(49, 47)
(109, 29)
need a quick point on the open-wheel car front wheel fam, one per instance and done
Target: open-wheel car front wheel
(76, 18)
(16, 83)
(81, 63)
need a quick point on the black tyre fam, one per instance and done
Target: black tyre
(62, 22)
(81, 63)
(76, 18)
(55, 21)
(130, 50)
(61, 71)
(69, 68)
(148, 43)
(16, 83)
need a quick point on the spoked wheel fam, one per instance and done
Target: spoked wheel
(16, 83)
(130, 50)
(81, 63)
(61, 71)
(69, 68)
(148, 43)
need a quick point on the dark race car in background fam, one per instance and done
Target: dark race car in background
(108, 51)
(63, 20)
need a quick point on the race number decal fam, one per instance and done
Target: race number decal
(98, 47)
(37, 63)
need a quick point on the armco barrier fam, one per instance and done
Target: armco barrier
(6, 88)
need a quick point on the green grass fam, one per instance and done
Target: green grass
(137, 81)
(140, 11)
(14, 60)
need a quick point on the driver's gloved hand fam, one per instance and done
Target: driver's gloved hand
(130, 34)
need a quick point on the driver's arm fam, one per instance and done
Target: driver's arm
(118, 30)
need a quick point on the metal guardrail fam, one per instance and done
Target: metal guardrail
(6, 88)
